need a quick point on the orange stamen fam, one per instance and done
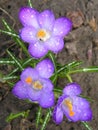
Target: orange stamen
(68, 103)
(41, 34)
(37, 85)
(71, 113)
(29, 80)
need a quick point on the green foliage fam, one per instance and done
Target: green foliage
(30, 3)
(39, 116)
(87, 125)
(11, 32)
(12, 116)
(46, 120)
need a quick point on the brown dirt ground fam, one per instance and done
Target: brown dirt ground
(80, 44)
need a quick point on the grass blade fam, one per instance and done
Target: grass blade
(14, 59)
(9, 33)
(16, 39)
(39, 113)
(46, 120)
(30, 3)
(86, 125)
(6, 61)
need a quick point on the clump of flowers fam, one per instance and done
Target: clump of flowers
(39, 77)
(42, 31)
(35, 84)
(70, 104)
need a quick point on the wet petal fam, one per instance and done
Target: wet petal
(57, 115)
(80, 102)
(55, 44)
(28, 34)
(33, 94)
(82, 107)
(46, 20)
(47, 84)
(62, 26)
(29, 73)
(28, 17)
(86, 115)
(72, 89)
(45, 68)
(46, 99)
(19, 90)
(37, 50)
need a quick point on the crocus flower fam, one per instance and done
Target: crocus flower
(42, 31)
(35, 84)
(70, 104)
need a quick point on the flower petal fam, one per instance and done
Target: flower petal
(72, 89)
(45, 68)
(37, 50)
(55, 44)
(29, 72)
(46, 20)
(28, 17)
(33, 95)
(19, 90)
(86, 115)
(28, 34)
(57, 115)
(47, 84)
(46, 99)
(82, 108)
(62, 26)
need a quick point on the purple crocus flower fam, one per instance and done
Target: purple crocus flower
(42, 31)
(35, 84)
(75, 108)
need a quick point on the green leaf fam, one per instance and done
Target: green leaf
(6, 61)
(52, 57)
(12, 116)
(10, 84)
(9, 33)
(54, 79)
(86, 125)
(74, 64)
(63, 70)
(58, 90)
(1, 77)
(9, 78)
(7, 27)
(30, 3)
(88, 69)
(21, 44)
(13, 71)
(46, 120)
(24, 63)
(16, 39)
(15, 60)
(39, 114)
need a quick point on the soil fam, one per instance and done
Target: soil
(80, 44)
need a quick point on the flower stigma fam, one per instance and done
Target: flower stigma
(37, 85)
(68, 103)
(43, 35)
